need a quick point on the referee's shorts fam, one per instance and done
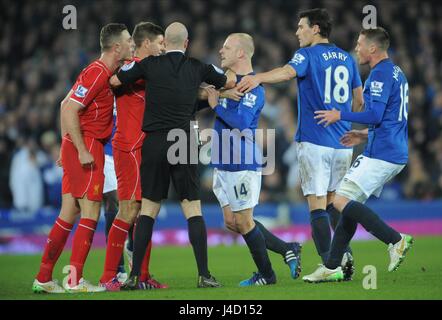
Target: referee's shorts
(156, 171)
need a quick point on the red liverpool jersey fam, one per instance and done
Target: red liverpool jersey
(130, 111)
(93, 92)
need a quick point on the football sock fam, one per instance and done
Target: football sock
(53, 248)
(145, 275)
(143, 235)
(371, 222)
(81, 245)
(273, 243)
(198, 240)
(321, 232)
(109, 218)
(114, 249)
(344, 232)
(334, 216)
(257, 246)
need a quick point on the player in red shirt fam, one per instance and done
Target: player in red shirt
(127, 142)
(86, 124)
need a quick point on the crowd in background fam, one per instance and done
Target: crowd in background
(40, 61)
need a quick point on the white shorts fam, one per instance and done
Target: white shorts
(110, 178)
(237, 189)
(321, 169)
(367, 177)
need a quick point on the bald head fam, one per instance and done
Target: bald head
(176, 36)
(244, 41)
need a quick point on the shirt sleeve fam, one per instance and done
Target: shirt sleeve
(357, 82)
(242, 117)
(131, 72)
(211, 76)
(88, 85)
(372, 116)
(380, 86)
(300, 62)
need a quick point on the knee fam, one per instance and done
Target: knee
(340, 202)
(230, 224)
(128, 212)
(244, 226)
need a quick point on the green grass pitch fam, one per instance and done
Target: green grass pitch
(420, 276)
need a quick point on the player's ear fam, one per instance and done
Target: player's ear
(146, 43)
(316, 29)
(186, 43)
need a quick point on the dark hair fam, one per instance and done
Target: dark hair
(109, 33)
(378, 35)
(146, 30)
(319, 17)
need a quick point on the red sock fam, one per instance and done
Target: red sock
(80, 247)
(53, 248)
(145, 265)
(114, 250)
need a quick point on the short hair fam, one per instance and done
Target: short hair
(246, 43)
(319, 17)
(379, 36)
(146, 30)
(109, 34)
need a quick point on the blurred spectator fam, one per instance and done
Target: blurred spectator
(25, 179)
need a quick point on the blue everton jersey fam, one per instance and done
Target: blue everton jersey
(326, 78)
(108, 145)
(388, 140)
(235, 148)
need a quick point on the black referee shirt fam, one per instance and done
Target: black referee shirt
(172, 83)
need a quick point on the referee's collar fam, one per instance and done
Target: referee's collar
(170, 51)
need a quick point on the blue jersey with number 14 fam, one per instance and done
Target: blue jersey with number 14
(326, 78)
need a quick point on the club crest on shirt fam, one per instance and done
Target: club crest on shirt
(376, 88)
(249, 100)
(128, 66)
(298, 58)
(81, 91)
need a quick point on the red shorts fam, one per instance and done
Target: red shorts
(78, 180)
(127, 169)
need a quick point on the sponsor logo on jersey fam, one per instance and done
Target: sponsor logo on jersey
(297, 58)
(249, 100)
(376, 88)
(81, 91)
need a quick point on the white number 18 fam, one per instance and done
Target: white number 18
(340, 76)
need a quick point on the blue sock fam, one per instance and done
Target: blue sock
(257, 246)
(273, 243)
(335, 216)
(344, 232)
(130, 238)
(371, 222)
(321, 232)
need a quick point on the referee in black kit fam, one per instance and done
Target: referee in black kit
(172, 84)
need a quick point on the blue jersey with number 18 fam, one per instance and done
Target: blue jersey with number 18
(388, 140)
(326, 78)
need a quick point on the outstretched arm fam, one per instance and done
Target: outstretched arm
(277, 75)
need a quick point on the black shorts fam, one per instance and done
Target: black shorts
(156, 171)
